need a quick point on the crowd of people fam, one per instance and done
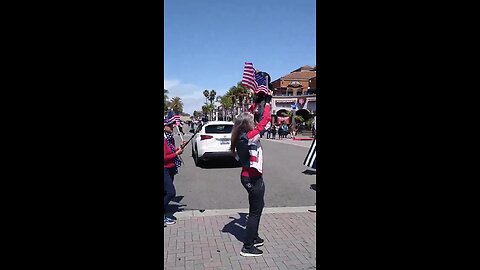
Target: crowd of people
(284, 131)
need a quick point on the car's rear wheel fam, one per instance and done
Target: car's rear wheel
(196, 159)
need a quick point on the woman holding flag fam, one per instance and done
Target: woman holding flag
(245, 144)
(171, 163)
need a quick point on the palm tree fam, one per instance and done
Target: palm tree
(211, 97)
(166, 103)
(206, 94)
(177, 105)
(204, 109)
(207, 109)
(238, 92)
(196, 114)
(226, 102)
(217, 100)
(165, 92)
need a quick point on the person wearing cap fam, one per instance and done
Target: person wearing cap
(171, 163)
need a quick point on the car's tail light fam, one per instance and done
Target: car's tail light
(205, 137)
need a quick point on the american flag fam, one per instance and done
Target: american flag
(170, 118)
(253, 80)
(177, 120)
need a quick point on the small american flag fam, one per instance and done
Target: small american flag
(253, 80)
(261, 83)
(170, 118)
(177, 119)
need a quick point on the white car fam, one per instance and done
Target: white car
(212, 141)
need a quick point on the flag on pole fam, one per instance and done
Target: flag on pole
(249, 76)
(170, 118)
(261, 84)
(177, 119)
(311, 158)
(253, 80)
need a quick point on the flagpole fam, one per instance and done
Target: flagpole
(178, 130)
(181, 137)
(179, 133)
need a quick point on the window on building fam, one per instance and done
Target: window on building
(289, 92)
(280, 92)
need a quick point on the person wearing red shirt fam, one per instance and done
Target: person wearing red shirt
(245, 143)
(171, 163)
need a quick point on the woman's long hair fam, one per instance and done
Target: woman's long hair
(243, 124)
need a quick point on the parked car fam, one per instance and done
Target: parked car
(212, 141)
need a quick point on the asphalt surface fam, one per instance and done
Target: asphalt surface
(217, 186)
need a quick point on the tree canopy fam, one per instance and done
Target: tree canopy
(177, 105)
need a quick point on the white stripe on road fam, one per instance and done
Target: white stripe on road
(220, 212)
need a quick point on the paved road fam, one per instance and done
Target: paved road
(218, 187)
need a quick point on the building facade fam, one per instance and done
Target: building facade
(295, 92)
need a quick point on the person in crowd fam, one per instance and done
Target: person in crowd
(280, 130)
(284, 129)
(171, 163)
(180, 128)
(245, 144)
(294, 130)
(314, 126)
(274, 131)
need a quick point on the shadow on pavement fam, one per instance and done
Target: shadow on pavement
(310, 172)
(173, 208)
(220, 163)
(177, 199)
(236, 227)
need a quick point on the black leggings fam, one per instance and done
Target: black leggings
(256, 190)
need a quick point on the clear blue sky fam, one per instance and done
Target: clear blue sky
(208, 41)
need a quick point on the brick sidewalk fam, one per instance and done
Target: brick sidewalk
(214, 242)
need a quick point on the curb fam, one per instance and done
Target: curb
(221, 212)
(302, 139)
(290, 143)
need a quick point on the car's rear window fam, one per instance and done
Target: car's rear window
(218, 129)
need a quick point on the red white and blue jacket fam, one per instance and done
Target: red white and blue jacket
(254, 146)
(168, 154)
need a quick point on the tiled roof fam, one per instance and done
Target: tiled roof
(303, 68)
(303, 75)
